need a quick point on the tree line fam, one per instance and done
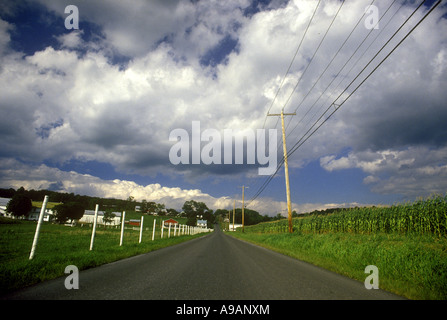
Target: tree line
(72, 206)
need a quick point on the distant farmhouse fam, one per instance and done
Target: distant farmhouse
(3, 204)
(33, 215)
(202, 223)
(35, 212)
(89, 217)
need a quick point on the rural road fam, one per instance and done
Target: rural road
(213, 267)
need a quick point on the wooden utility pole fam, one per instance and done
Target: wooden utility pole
(234, 209)
(243, 205)
(286, 166)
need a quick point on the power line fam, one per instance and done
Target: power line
(358, 22)
(364, 68)
(291, 63)
(338, 106)
(311, 60)
(313, 56)
(345, 64)
(333, 58)
(303, 139)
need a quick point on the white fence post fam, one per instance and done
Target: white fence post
(94, 227)
(153, 231)
(39, 224)
(141, 228)
(169, 230)
(162, 227)
(122, 228)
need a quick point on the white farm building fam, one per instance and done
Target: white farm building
(89, 217)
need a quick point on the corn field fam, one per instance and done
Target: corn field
(427, 216)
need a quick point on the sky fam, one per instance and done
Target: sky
(105, 105)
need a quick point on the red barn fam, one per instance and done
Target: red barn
(133, 222)
(172, 221)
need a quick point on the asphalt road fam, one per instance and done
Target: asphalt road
(213, 267)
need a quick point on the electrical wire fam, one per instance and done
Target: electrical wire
(308, 64)
(338, 106)
(315, 53)
(345, 64)
(293, 59)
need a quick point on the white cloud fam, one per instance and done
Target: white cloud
(30, 177)
(71, 40)
(44, 177)
(16, 174)
(413, 172)
(5, 27)
(72, 102)
(370, 162)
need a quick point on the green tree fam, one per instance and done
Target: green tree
(19, 205)
(70, 210)
(151, 207)
(250, 217)
(172, 212)
(108, 217)
(191, 221)
(278, 216)
(160, 209)
(197, 210)
(143, 206)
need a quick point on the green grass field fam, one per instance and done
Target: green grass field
(408, 244)
(60, 246)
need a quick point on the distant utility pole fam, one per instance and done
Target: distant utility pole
(243, 205)
(286, 166)
(234, 209)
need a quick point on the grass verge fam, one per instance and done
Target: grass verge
(413, 267)
(60, 246)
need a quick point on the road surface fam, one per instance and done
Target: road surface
(213, 267)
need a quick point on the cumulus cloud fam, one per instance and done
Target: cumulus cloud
(43, 177)
(414, 171)
(222, 63)
(17, 174)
